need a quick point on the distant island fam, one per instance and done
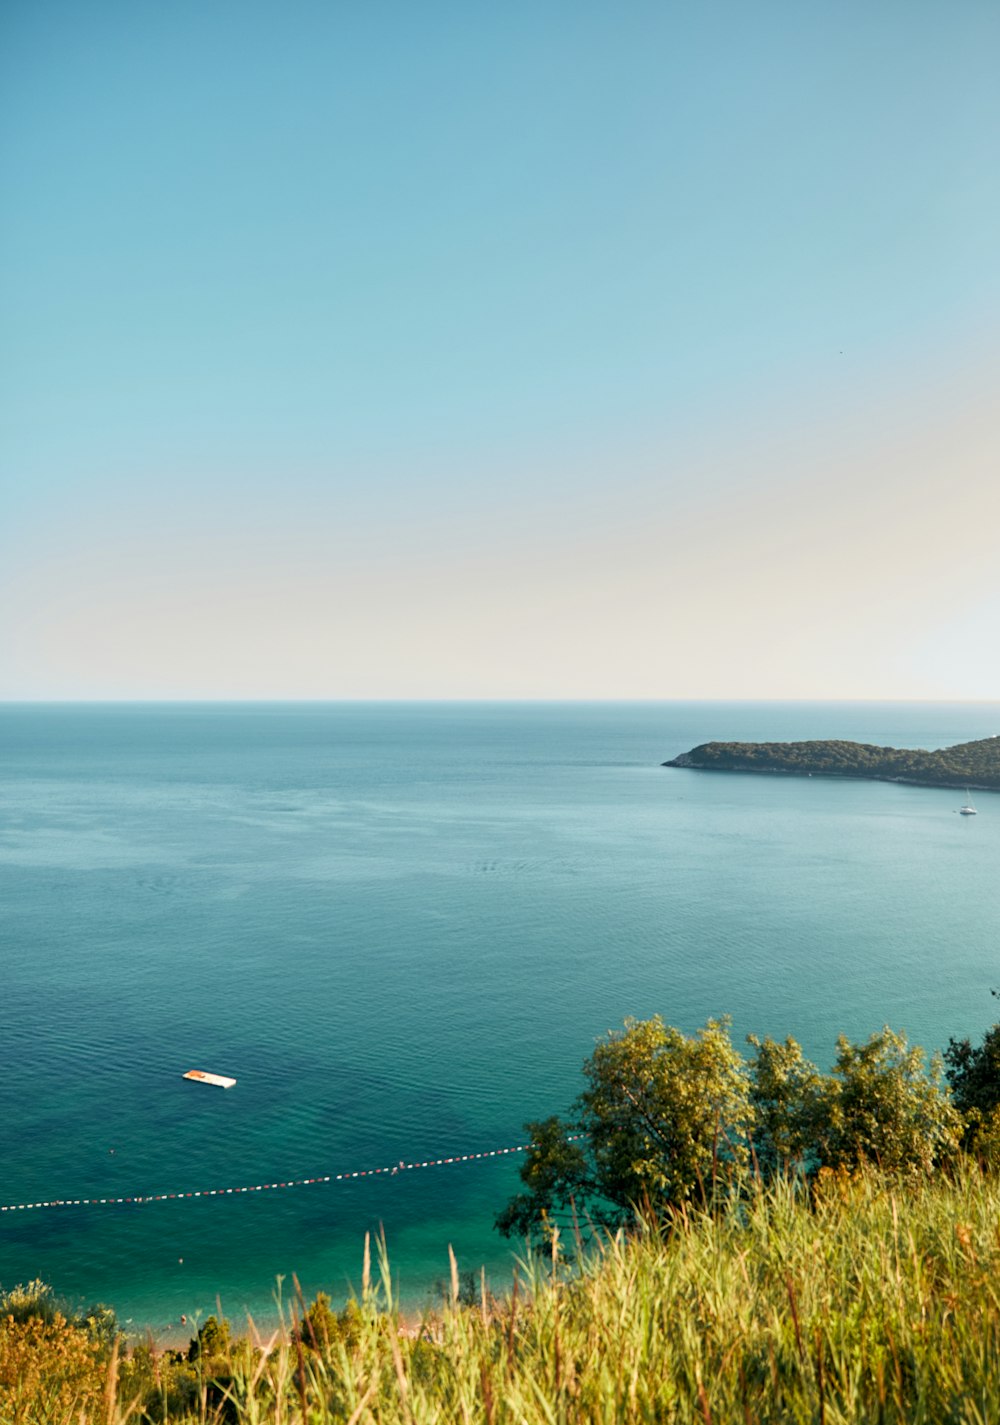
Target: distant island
(969, 764)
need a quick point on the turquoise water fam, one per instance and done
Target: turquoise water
(402, 927)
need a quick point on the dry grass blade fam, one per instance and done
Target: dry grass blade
(362, 1405)
(453, 1264)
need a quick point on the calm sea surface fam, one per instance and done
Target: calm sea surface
(402, 928)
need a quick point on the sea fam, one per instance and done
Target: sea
(402, 928)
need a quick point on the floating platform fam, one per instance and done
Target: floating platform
(200, 1077)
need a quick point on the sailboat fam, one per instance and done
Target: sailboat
(969, 809)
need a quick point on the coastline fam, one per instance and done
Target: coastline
(262, 1330)
(970, 786)
(507, 846)
(961, 766)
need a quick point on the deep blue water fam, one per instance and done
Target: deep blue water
(402, 928)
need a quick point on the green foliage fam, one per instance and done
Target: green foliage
(319, 1326)
(34, 1302)
(983, 1131)
(557, 1175)
(663, 1119)
(322, 1327)
(38, 1302)
(666, 1114)
(967, 764)
(163, 1385)
(100, 1324)
(888, 1108)
(974, 1076)
(668, 1119)
(791, 1102)
(212, 1341)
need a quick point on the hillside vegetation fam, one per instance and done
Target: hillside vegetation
(861, 1302)
(800, 1253)
(968, 764)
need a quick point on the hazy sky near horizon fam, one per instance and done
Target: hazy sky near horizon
(548, 349)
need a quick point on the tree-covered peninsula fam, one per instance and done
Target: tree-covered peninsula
(968, 764)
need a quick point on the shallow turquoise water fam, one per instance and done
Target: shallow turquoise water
(402, 927)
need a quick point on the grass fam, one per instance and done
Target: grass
(868, 1300)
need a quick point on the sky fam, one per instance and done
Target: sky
(552, 349)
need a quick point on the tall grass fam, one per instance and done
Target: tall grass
(865, 1299)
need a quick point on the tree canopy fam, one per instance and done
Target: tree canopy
(974, 1075)
(667, 1118)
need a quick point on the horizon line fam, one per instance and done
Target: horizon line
(469, 701)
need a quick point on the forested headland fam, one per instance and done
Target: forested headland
(968, 764)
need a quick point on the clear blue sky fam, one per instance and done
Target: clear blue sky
(536, 349)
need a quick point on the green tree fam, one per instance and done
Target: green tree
(974, 1076)
(888, 1107)
(791, 1101)
(319, 1326)
(666, 1114)
(558, 1179)
(322, 1327)
(663, 1120)
(212, 1342)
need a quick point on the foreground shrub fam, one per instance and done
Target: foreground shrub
(50, 1371)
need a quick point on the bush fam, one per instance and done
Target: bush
(50, 1369)
(974, 1076)
(321, 1327)
(887, 1108)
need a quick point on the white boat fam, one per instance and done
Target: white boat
(200, 1077)
(969, 809)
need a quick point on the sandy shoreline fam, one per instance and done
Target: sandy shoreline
(263, 1331)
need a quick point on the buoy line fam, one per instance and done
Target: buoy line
(400, 1167)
